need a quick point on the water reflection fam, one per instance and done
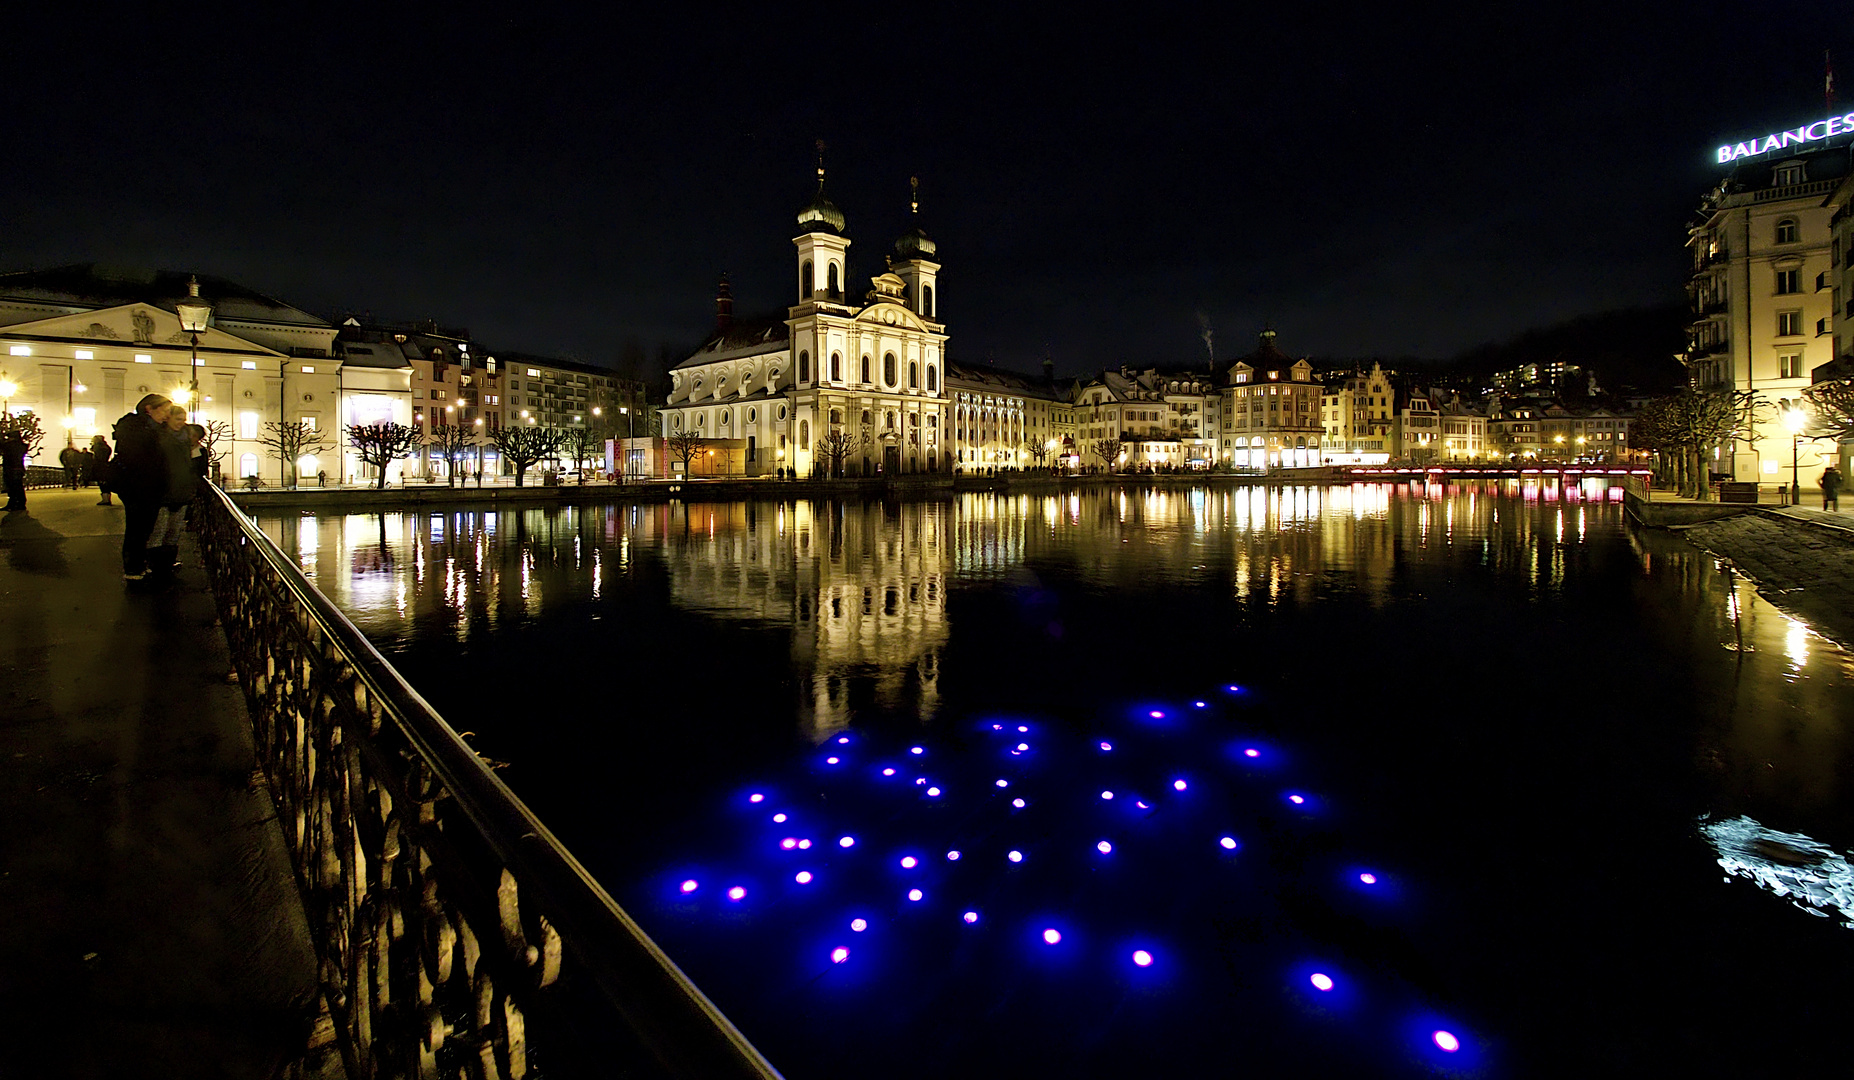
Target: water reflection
(1810, 874)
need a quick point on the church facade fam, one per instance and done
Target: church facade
(835, 386)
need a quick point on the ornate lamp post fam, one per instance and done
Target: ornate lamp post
(195, 314)
(7, 389)
(1794, 419)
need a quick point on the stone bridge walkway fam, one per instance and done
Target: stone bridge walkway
(151, 922)
(1801, 558)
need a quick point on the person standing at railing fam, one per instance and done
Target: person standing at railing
(138, 473)
(186, 465)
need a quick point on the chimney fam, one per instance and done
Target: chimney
(1049, 369)
(724, 306)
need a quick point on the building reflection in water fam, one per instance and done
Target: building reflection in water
(862, 588)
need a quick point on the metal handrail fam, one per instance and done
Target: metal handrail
(634, 985)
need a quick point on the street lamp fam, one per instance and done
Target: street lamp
(195, 314)
(1794, 419)
(7, 389)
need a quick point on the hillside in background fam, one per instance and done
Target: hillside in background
(1632, 348)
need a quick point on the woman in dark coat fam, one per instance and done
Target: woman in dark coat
(99, 467)
(138, 473)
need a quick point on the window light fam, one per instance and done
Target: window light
(308, 370)
(85, 354)
(21, 350)
(143, 358)
(249, 365)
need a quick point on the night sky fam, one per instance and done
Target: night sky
(574, 184)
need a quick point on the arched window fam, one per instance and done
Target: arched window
(804, 434)
(865, 367)
(836, 417)
(1786, 231)
(807, 282)
(914, 375)
(833, 280)
(804, 367)
(888, 369)
(836, 367)
(865, 417)
(701, 421)
(933, 380)
(247, 465)
(927, 300)
(753, 416)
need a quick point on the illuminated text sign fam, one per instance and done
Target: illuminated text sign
(1808, 133)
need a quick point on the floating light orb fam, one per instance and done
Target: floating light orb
(690, 885)
(756, 797)
(1251, 752)
(1023, 746)
(1447, 1041)
(919, 780)
(888, 772)
(1003, 783)
(779, 818)
(1017, 753)
(1142, 958)
(1297, 800)
(843, 739)
(859, 925)
(1052, 936)
(803, 877)
(736, 893)
(804, 845)
(914, 895)
(1018, 803)
(846, 841)
(789, 843)
(933, 792)
(1016, 856)
(1321, 981)
(1178, 785)
(970, 917)
(1199, 704)
(1107, 794)
(952, 856)
(1023, 729)
(839, 954)
(1156, 714)
(1235, 689)
(1369, 879)
(997, 727)
(1141, 804)
(917, 750)
(831, 760)
(1104, 847)
(1228, 842)
(1107, 746)
(909, 862)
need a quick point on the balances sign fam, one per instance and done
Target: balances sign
(1808, 133)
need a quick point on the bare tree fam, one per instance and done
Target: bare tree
(1833, 404)
(289, 440)
(581, 442)
(381, 443)
(835, 447)
(686, 447)
(523, 446)
(1039, 452)
(26, 424)
(1108, 450)
(450, 441)
(215, 431)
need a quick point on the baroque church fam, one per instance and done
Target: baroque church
(834, 386)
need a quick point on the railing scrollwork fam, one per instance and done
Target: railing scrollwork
(455, 936)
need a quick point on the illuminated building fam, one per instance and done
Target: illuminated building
(1761, 288)
(1271, 410)
(1160, 419)
(996, 417)
(867, 377)
(1355, 414)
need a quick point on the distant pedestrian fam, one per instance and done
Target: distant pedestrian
(13, 452)
(321, 477)
(138, 473)
(99, 467)
(68, 458)
(1831, 488)
(180, 448)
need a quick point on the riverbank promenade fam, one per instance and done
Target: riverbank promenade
(153, 927)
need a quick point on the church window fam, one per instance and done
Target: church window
(804, 434)
(865, 367)
(804, 367)
(927, 300)
(836, 417)
(866, 419)
(782, 413)
(933, 379)
(888, 369)
(753, 416)
(914, 375)
(807, 283)
(833, 280)
(836, 367)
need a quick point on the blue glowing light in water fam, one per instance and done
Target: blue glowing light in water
(1321, 982)
(1107, 746)
(970, 917)
(690, 885)
(756, 797)
(839, 954)
(779, 818)
(1052, 936)
(1251, 752)
(1368, 878)
(952, 856)
(1015, 856)
(1018, 803)
(1002, 783)
(1178, 785)
(1228, 842)
(1156, 714)
(841, 739)
(1104, 847)
(737, 894)
(1107, 795)
(804, 845)
(803, 877)
(915, 895)
(1297, 800)
(859, 925)
(846, 841)
(1142, 958)
(789, 843)
(888, 772)
(831, 760)
(1447, 1041)
(933, 792)
(909, 862)
(917, 750)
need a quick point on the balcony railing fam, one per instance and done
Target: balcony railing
(455, 936)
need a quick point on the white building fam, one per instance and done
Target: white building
(867, 377)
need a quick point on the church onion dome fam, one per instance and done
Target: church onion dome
(820, 214)
(915, 244)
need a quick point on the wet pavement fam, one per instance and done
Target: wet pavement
(154, 928)
(1801, 558)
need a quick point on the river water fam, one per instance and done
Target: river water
(1477, 780)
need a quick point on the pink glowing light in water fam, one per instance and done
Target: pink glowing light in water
(839, 954)
(1447, 1041)
(1142, 958)
(690, 885)
(1052, 936)
(1321, 982)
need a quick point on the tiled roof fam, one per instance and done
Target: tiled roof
(743, 337)
(95, 285)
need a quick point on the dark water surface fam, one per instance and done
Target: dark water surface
(1567, 790)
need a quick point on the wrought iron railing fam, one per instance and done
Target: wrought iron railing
(455, 936)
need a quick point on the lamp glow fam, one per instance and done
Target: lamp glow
(1142, 958)
(1447, 1041)
(1178, 785)
(1297, 800)
(1023, 746)
(1104, 847)
(909, 862)
(970, 917)
(1321, 982)
(859, 925)
(831, 760)
(1052, 936)
(1107, 746)
(756, 797)
(1015, 856)
(1018, 803)
(736, 893)
(933, 792)
(1369, 879)
(789, 843)
(952, 856)
(839, 954)
(1023, 729)
(779, 818)
(841, 739)
(804, 845)
(888, 772)
(914, 895)
(1156, 714)
(846, 841)
(1228, 842)
(803, 877)
(1002, 783)
(690, 885)
(1107, 795)
(916, 750)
